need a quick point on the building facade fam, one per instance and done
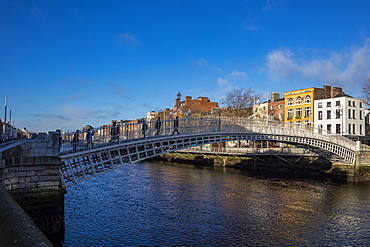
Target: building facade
(276, 107)
(201, 104)
(260, 110)
(299, 105)
(340, 114)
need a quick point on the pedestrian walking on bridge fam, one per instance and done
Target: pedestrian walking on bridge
(144, 128)
(158, 125)
(176, 126)
(75, 140)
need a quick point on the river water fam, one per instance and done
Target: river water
(162, 204)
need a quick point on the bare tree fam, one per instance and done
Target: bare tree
(366, 92)
(239, 100)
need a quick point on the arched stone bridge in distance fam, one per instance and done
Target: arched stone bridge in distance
(85, 163)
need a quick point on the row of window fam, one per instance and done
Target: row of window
(298, 100)
(351, 114)
(337, 103)
(298, 112)
(280, 107)
(338, 130)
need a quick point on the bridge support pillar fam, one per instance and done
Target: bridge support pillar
(357, 172)
(29, 171)
(362, 166)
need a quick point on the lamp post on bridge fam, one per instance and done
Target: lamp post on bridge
(179, 98)
(179, 108)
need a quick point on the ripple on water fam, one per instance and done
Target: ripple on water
(163, 205)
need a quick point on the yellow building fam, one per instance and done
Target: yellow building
(299, 104)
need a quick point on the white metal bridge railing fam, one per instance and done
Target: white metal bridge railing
(83, 159)
(73, 142)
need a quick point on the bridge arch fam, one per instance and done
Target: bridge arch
(84, 164)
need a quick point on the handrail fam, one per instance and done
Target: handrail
(133, 131)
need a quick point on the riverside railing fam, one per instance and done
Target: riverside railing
(134, 131)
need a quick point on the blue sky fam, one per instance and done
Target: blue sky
(65, 64)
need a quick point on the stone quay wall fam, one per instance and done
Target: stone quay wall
(16, 227)
(29, 171)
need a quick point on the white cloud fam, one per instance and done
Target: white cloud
(238, 74)
(128, 39)
(280, 64)
(221, 81)
(345, 68)
(202, 62)
(235, 79)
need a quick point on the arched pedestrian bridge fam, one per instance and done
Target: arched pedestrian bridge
(81, 160)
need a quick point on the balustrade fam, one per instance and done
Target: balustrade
(133, 131)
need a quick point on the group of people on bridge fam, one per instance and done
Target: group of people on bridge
(158, 125)
(115, 132)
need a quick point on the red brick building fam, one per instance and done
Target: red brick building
(199, 105)
(276, 107)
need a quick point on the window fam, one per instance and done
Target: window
(280, 116)
(337, 128)
(337, 103)
(349, 113)
(298, 112)
(328, 104)
(361, 116)
(307, 111)
(361, 105)
(320, 115)
(354, 104)
(337, 113)
(290, 113)
(349, 128)
(272, 116)
(354, 114)
(328, 114)
(354, 129)
(328, 128)
(298, 101)
(272, 108)
(319, 105)
(298, 124)
(307, 99)
(290, 101)
(361, 129)
(349, 103)
(280, 106)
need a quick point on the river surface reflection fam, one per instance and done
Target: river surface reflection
(161, 204)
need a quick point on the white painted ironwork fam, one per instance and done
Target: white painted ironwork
(83, 161)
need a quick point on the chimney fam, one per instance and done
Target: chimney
(335, 91)
(167, 112)
(274, 96)
(177, 101)
(327, 89)
(188, 100)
